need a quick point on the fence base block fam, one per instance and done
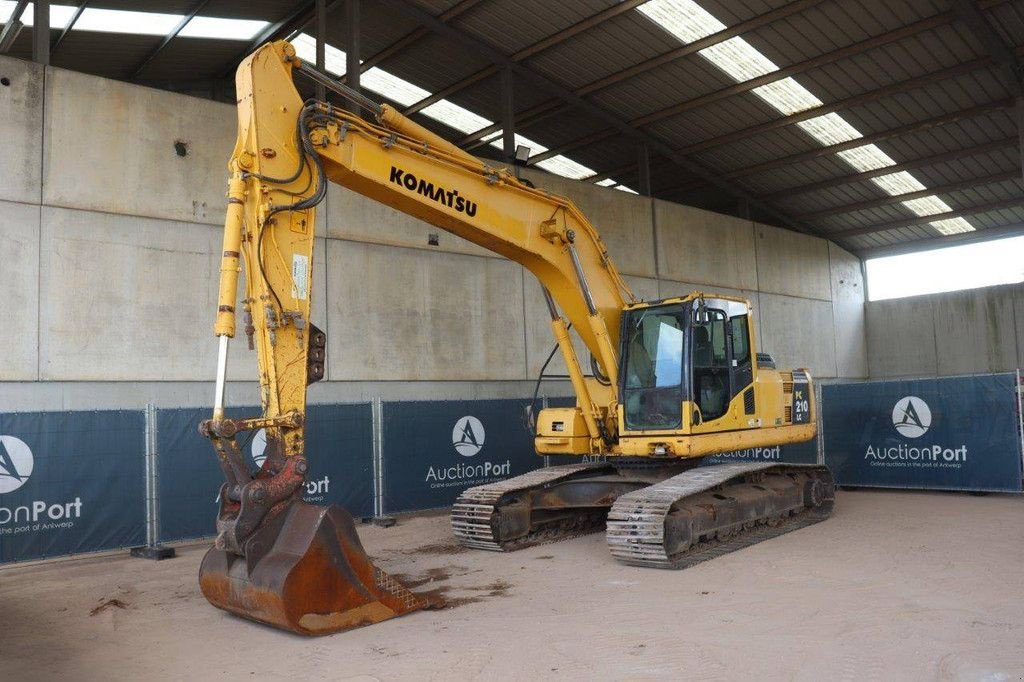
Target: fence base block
(155, 553)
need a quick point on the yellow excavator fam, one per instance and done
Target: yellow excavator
(671, 381)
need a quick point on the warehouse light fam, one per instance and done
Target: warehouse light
(223, 29)
(688, 22)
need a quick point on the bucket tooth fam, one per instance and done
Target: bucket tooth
(306, 572)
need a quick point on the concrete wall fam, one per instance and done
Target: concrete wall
(960, 332)
(108, 256)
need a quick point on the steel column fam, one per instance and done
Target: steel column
(321, 46)
(41, 32)
(643, 164)
(508, 113)
(352, 47)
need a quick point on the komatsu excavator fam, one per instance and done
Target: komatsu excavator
(672, 381)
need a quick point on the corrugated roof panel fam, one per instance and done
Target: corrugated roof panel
(380, 27)
(611, 47)
(512, 25)
(1008, 20)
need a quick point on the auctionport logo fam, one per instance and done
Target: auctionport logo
(911, 416)
(468, 436)
(16, 463)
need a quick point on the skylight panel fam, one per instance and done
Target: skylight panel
(391, 86)
(454, 116)
(788, 96)
(830, 129)
(866, 158)
(952, 226)
(123, 21)
(684, 19)
(623, 188)
(566, 167)
(334, 59)
(739, 59)
(929, 205)
(224, 29)
(899, 183)
(607, 182)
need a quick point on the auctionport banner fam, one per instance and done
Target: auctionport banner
(959, 433)
(794, 453)
(71, 482)
(433, 450)
(339, 447)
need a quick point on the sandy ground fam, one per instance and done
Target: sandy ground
(894, 586)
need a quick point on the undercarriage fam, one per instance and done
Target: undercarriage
(656, 514)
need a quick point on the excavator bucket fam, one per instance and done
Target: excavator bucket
(305, 571)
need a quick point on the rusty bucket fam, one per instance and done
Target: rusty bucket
(305, 571)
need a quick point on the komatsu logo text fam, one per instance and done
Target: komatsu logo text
(445, 197)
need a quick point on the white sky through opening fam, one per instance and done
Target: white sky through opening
(967, 266)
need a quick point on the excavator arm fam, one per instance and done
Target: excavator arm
(277, 559)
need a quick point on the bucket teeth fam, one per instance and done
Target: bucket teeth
(305, 572)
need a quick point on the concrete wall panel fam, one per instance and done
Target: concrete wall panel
(705, 247)
(21, 130)
(798, 332)
(109, 146)
(901, 338)
(848, 312)
(974, 331)
(792, 263)
(135, 299)
(19, 290)
(414, 315)
(623, 220)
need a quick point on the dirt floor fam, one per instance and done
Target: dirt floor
(894, 586)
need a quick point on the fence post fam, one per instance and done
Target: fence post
(379, 518)
(152, 549)
(1020, 416)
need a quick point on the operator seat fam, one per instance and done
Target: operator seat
(710, 388)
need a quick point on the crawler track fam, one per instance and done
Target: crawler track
(477, 514)
(707, 512)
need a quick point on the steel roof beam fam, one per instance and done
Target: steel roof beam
(527, 52)
(416, 35)
(761, 128)
(900, 198)
(971, 15)
(954, 155)
(921, 220)
(70, 25)
(929, 243)
(196, 9)
(537, 80)
(13, 27)
(539, 112)
(800, 157)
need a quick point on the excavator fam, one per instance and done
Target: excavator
(671, 381)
